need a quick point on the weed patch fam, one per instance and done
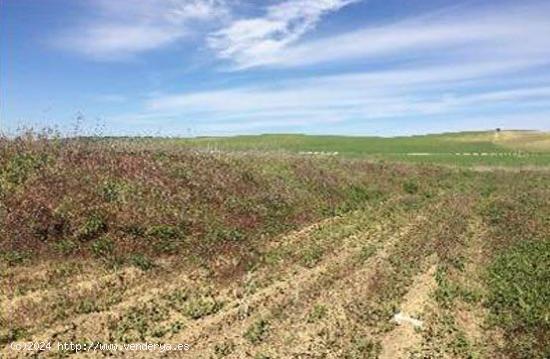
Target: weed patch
(519, 297)
(257, 332)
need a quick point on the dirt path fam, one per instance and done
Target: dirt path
(406, 337)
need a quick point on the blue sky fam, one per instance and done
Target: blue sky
(222, 67)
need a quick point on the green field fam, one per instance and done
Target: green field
(506, 148)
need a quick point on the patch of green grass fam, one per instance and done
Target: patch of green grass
(367, 251)
(140, 323)
(165, 238)
(223, 349)
(92, 227)
(163, 232)
(495, 161)
(257, 332)
(9, 335)
(312, 255)
(15, 257)
(220, 234)
(87, 305)
(142, 262)
(448, 291)
(202, 306)
(363, 348)
(410, 186)
(444, 338)
(103, 247)
(519, 297)
(66, 246)
(318, 312)
(177, 298)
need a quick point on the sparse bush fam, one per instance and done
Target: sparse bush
(103, 247)
(163, 232)
(140, 323)
(12, 334)
(363, 348)
(366, 252)
(21, 166)
(111, 191)
(142, 262)
(134, 230)
(66, 246)
(257, 332)
(312, 255)
(200, 307)
(92, 227)
(166, 238)
(13, 257)
(410, 187)
(224, 349)
(318, 312)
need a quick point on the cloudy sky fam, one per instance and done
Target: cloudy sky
(220, 67)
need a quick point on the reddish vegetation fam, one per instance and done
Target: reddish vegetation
(63, 197)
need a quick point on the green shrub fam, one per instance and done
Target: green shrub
(410, 187)
(221, 235)
(92, 228)
(224, 349)
(141, 322)
(166, 238)
(142, 262)
(12, 335)
(21, 166)
(103, 247)
(66, 246)
(111, 191)
(133, 229)
(359, 194)
(86, 306)
(200, 307)
(367, 251)
(163, 231)
(312, 255)
(15, 257)
(257, 332)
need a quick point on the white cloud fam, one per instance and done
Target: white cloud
(256, 41)
(121, 29)
(448, 65)
(490, 33)
(108, 41)
(364, 96)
